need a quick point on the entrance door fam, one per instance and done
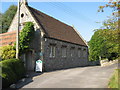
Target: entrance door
(30, 61)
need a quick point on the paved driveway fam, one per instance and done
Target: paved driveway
(82, 77)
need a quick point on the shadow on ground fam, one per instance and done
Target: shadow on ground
(28, 80)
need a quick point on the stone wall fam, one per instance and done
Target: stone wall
(59, 62)
(94, 63)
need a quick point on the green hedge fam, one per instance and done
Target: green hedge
(12, 71)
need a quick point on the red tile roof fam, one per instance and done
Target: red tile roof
(7, 38)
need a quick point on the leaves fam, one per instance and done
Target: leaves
(105, 41)
(7, 18)
(7, 52)
(114, 4)
(26, 36)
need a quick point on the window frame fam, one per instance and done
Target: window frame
(72, 49)
(79, 52)
(52, 53)
(64, 51)
(84, 52)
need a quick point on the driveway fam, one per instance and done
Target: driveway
(81, 77)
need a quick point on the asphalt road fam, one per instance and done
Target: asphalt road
(82, 77)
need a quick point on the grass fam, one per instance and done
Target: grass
(115, 80)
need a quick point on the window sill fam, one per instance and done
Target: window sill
(51, 57)
(64, 57)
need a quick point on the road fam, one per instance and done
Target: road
(81, 77)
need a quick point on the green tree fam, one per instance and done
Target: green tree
(96, 46)
(105, 42)
(26, 36)
(7, 18)
(7, 52)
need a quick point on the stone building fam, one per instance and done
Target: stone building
(59, 45)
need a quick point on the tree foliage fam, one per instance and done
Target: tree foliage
(7, 18)
(105, 41)
(114, 4)
(7, 52)
(26, 36)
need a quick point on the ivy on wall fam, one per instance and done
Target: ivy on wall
(26, 36)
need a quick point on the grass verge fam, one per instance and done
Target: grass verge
(115, 80)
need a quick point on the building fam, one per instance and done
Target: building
(59, 45)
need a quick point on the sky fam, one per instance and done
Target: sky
(82, 15)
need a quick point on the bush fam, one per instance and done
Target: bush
(7, 52)
(12, 70)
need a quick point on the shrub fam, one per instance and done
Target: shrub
(12, 70)
(7, 52)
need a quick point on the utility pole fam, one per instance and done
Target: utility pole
(17, 32)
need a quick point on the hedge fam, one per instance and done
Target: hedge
(12, 71)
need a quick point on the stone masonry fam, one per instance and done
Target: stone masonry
(59, 62)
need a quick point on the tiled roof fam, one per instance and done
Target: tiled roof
(7, 38)
(56, 29)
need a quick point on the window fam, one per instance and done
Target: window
(52, 50)
(79, 52)
(64, 51)
(22, 15)
(72, 51)
(84, 52)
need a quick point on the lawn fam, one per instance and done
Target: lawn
(115, 79)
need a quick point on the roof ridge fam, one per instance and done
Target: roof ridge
(50, 16)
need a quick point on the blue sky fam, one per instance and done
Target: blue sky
(83, 15)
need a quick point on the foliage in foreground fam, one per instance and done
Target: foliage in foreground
(7, 52)
(12, 71)
(114, 81)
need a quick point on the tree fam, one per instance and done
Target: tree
(96, 45)
(105, 41)
(114, 4)
(7, 18)
(26, 36)
(101, 46)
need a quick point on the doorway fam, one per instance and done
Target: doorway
(30, 62)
